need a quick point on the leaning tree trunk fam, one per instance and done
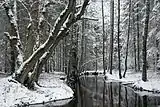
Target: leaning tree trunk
(144, 50)
(66, 19)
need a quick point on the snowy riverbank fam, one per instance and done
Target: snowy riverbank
(135, 79)
(52, 89)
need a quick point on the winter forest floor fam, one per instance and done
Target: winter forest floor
(12, 93)
(134, 80)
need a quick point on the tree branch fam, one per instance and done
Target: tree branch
(82, 10)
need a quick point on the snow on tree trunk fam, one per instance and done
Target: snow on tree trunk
(65, 20)
(14, 38)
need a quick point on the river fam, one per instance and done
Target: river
(93, 91)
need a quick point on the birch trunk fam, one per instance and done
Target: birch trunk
(14, 38)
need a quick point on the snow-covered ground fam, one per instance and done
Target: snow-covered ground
(12, 93)
(135, 78)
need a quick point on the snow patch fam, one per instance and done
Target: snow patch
(53, 88)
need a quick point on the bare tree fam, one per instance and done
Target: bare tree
(144, 50)
(138, 48)
(103, 36)
(112, 34)
(118, 35)
(128, 34)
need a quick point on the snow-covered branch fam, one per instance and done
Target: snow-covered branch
(52, 2)
(89, 18)
(82, 10)
(65, 20)
(78, 6)
(63, 16)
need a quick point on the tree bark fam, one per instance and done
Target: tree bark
(82, 46)
(118, 35)
(103, 36)
(138, 45)
(134, 40)
(128, 34)
(73, 60)
(14, 38)
(112, 34)
(145, 35)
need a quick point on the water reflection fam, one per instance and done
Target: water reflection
(94, 92)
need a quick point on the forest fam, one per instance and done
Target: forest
(56, 43)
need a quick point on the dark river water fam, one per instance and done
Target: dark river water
(94, 92)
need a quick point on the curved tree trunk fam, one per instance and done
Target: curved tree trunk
(66, 19)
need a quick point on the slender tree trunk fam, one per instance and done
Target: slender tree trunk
(138, 45)
(118, 35)
(96, 58)
(135, 52)
(82, 47)
(6, 57)
(60, 56)
(144, 50)
(112, 35)
(103, 36)
(134, 41)
(65, 55)
(85, 52)
(128, 34)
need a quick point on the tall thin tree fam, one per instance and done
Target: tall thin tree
(112, 34)
(138, 48)
(128, 36)
(118, 35)
(134, 39)
(103, 34)
(144, 50)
